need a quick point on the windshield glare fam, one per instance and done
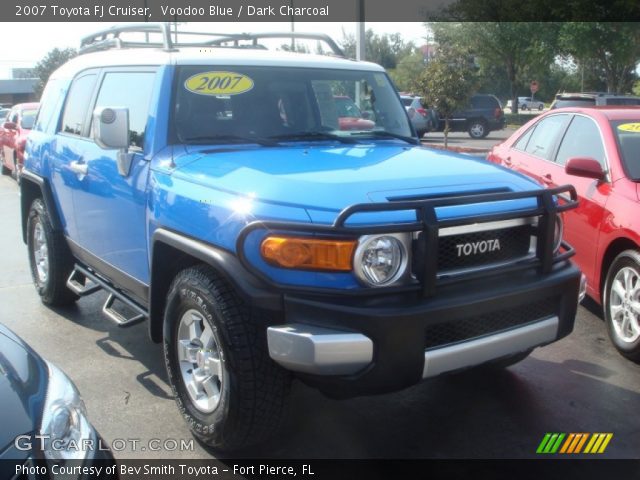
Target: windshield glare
(220, 104)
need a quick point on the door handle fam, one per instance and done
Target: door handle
(547, 179)
(80, 169)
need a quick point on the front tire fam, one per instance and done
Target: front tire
(230, 392)
(49, 258)
(622, 304)
(478, 129)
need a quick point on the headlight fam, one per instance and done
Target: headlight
(64, 423)
(557, 234)
(380, 260)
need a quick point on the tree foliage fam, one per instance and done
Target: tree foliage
(408, 71)
(608, 51)
(385, 50)
(447, 84)
(50, 63)
(522, 51)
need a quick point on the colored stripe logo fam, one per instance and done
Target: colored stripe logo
(573, 443)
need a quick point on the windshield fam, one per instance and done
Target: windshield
(232, 104)
(628, 137)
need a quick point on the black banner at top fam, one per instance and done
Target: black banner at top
(318, 10)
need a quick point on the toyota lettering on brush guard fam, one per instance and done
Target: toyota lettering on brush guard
(213, 193)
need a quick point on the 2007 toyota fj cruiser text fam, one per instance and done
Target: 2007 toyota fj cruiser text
(219, 193)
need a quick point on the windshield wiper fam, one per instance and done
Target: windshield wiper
(233, 138)
(384, 133)
(313, 135)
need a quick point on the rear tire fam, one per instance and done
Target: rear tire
(49, 258)
(478, 129)
(229, 391)
(621, 304)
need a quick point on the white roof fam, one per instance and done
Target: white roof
(208, 56)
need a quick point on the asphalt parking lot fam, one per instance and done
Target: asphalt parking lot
(579, 384)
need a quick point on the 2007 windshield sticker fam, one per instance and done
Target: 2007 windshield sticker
(630, 127)
(218, 83)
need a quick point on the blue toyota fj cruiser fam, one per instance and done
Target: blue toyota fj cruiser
(212, 189)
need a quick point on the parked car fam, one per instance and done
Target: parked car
(13, 137)
(44, 420)
(483, 115)
(424, 120)
(527, 103)
(597, 150)
(350, 117)
(592, 99)
(262, 242)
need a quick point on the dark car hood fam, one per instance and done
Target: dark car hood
(23, 383)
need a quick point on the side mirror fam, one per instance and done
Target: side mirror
(585, 167)
(9, 126)
(111, 131)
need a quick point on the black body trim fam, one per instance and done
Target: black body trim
(132, 287)
(27, 177)
(226, 263)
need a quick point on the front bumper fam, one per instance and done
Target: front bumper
(358, 346)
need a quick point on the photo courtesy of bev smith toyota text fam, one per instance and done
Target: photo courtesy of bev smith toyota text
(276, 238)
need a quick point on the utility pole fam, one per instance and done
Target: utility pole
(360, 46)
(360, 33)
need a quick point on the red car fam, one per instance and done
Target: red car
(598, 151)
(13, 137)
(349, 115)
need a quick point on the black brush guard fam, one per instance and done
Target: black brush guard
(550, 202)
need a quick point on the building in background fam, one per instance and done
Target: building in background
(19, 88)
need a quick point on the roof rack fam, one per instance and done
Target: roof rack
(110, 38)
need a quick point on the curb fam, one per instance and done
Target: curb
(456, 149)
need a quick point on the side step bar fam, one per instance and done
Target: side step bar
(91, 283)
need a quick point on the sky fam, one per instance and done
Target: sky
(32, 41)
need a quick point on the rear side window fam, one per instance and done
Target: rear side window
(133, 91)
(48, 105)
(586, 102)
(545, 136)
(623, 101)
(484, 102)
(522, 142)
(76, 108)
(581, 140)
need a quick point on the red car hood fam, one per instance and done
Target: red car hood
(355, 123)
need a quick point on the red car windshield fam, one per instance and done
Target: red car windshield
(628, 137)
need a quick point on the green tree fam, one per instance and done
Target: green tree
(607, 51)
(385, 50)
(523, 51)
(408, 71)
(447, 84)
(50, 63)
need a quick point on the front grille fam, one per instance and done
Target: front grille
(477, 249)
(447, 333)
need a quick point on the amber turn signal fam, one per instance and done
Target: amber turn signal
(308, 253)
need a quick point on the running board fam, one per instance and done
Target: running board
(92, 283)
(81, 284)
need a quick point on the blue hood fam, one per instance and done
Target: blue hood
(323, 179)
